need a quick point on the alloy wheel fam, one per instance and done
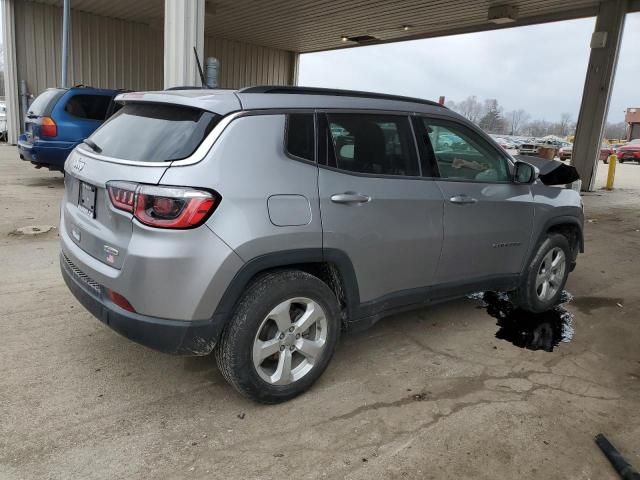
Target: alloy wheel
(550, 274)
(290, 341)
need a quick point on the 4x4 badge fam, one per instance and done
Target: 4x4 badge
(111, 252)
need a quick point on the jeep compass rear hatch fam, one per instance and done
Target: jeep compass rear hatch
(112, 178)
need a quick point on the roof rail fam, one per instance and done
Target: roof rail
(334, 93)
(186, 87)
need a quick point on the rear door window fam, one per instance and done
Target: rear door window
(44, 103)
(147, 132)
(377, 144)
(90, 107)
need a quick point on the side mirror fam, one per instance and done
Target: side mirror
(525, 173)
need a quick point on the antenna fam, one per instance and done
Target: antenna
(202, 79)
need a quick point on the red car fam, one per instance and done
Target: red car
(605, 151)
(629, 152)
(565, 153)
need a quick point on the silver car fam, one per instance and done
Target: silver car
(260, 223)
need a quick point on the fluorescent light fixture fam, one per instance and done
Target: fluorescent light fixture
(501, 14)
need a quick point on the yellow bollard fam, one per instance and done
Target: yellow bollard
(613, 159)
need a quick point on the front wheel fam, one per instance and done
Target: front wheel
(281, 337)
(546, 275)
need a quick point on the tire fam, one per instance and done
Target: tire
(260, 319)
(531, 296)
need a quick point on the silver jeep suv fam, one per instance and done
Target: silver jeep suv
(259, 223)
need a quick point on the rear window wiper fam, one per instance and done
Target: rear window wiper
(92, 145)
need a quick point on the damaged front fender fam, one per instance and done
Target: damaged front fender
(552, 172)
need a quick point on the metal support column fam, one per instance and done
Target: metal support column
(605, 45)
(295, 74)
(66, 17)
(183, 30)
(12, 101)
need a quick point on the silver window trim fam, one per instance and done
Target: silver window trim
(202, 151)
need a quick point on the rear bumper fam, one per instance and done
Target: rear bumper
(50, 154)
(181, 337)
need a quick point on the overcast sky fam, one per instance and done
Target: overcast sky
(539, 68)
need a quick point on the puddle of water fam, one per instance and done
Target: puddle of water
(533, 331)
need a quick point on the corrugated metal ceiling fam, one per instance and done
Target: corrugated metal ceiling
(310, 25)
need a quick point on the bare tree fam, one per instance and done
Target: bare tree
(470, 108)
(516, 119)
(451, 105)
(489, 115)
(538, 128)
(615, 131)
(564, 125)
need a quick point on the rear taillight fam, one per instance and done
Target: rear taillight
(163, 207)
(122, 195)
(48, 127)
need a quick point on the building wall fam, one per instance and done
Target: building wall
(104, 52)
(632, 115)
(243, 65)
(107, 52)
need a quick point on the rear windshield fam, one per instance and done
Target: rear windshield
(91, 107)
(147, 132)
(43, 104)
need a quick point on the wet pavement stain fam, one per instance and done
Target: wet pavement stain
(533, 331)
(587, 304)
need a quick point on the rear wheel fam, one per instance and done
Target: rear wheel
(281, 336)
(546, 276)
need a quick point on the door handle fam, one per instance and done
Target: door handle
(349, 197)
(463, 199)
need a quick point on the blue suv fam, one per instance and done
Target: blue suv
(61, 118)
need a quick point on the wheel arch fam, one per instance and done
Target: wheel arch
(570, 227)
(332, 266)
(567, 225)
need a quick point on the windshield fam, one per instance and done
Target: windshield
(148, 132)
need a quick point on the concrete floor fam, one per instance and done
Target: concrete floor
(429, 394)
